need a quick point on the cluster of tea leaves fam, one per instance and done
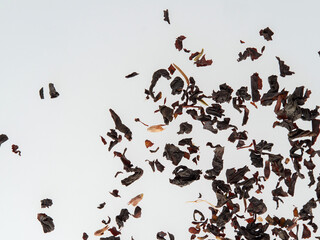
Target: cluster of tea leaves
(239, 205)
(238, 202)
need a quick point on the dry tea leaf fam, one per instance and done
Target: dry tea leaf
(101, 231)
(115, 193)
(3, 138)
(137, 212)
(132, 75)
(15, 149)
(41, 93)
(85, 236)
(46, 222)
(178, 42)
(52, 91)
(148, 143)
(46, 203)
(156, 128)
(114, 231)
(101, 205)
(134, 201)
(103, 140)
(266, 33)
(166, 16)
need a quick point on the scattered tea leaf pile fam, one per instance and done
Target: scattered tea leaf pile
(241, 183)
(238, 204)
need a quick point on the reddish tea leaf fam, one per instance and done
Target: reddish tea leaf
(266, 33)
(171, 69)
(295, 212)
(202, 62)
(284, 69)
(194, 230)
(306, 233)
(178, 42)
(15, 149)
(250, 220)
(166, 16)
(85, 236)
(148, 143)
(114, 231)
(249, 52)
(103, 140)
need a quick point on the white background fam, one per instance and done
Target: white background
(86, 48)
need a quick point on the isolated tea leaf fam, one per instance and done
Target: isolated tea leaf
(15, 149)
(171, 69)
(85, 236)
(156, 128)
(166, 16)
(46, 203)
(178, 44)
(46, 222)
(148, 143)
(52, 91)
(249, 52)
(284, 69)
(154, 151)
(115, 193)
(137, 212)
(134, 201)
(132, 75)
(117, 173)
(3, 138)
(101, 205)
(266, 33)
(103, 140)
(41, 93)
